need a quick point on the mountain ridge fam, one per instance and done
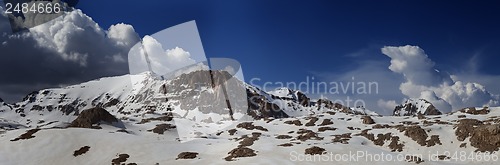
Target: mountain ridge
(281, 129)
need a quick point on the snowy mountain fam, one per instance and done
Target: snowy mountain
(193, 95)
(413, 107)
(193, 118)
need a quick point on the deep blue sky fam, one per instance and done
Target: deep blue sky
(288, 40)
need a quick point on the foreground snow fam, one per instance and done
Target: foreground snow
(56, 145)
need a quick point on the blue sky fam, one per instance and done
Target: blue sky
(266, 36)
(289, 41)
(330, 40)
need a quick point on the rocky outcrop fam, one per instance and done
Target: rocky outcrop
(90, 118)
(303, 99)
(187, 155)
(474, 111)
(315, 150)
(486, 138)
(367, 120)
(31, 97)
(260, 107)
(330, 105)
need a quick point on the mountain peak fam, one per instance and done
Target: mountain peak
(413, 107)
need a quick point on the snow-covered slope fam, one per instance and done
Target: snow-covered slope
(286, 127)
(298, 140)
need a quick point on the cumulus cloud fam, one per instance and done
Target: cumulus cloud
(414, 64)
(162, 60)
(423, 80)
(67, 50)
(123, 34)
(386, 104)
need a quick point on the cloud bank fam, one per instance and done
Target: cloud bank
(67, 50)
(423, 80)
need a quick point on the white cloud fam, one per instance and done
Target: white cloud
(389, 105)
(163, 61)
(422, 80)
(439, 103)
(414, 64)
(123, 34)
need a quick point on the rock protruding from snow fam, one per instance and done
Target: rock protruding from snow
(367, 120)
(302, 99)
(284, 93)
(88, 118)
(414, 107)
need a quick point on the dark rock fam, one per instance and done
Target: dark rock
(68, 109)
(240, 152)
(394, 145)
(433, 141)
(308, 134)
(250, 126)
(312, 121)
(248, 141)
(323, 129)
(417, 134)
(486, 138)
(303, 99)
(381, 138)
(283, 137)
(31, 97)
(466, 127)
(326, 122)
(415, 159)
(161, 128)
(473, 111)
(368, 120)
(187, 155)
(36, 108)
(112, 102)
(315, 151)
(258, 104)
(231, 131)
(81, 151)
(286, 145)
(379, 126)
(27, 135)
(330, 112)
(294, 122)
(121, 158)
(343, 138)
(92, 116)
(463, 145)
